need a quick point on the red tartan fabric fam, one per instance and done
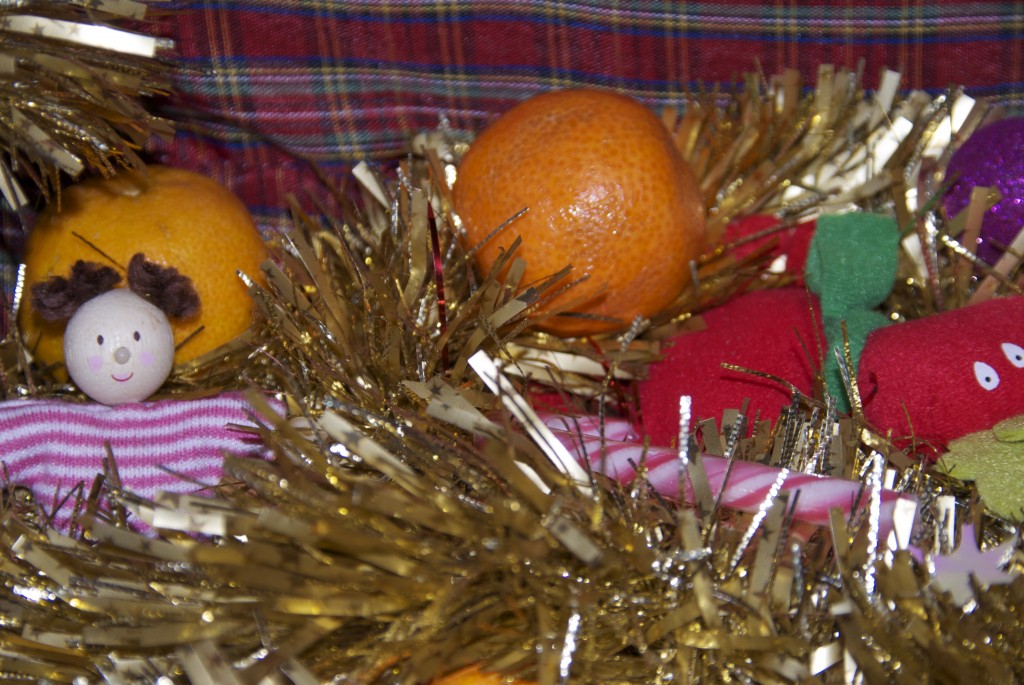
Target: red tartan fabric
(337, 82)
(263, 84)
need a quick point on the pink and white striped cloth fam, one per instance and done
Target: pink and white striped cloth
(748, 485)
(51, 445)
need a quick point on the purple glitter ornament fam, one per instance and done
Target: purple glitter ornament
(993, 156)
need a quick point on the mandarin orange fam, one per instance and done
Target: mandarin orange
(176, 218)
(605, 189)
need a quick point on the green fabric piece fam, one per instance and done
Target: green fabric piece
(851, 267)
(994, 460)
(1010, 430)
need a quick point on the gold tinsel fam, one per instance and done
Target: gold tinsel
(408, 525)
(73, 81)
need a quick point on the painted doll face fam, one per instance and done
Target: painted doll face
(118, 348)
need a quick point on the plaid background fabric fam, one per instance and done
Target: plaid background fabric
(342, 81)
(264, 84)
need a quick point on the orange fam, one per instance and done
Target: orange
(606, 190)
(176, 218)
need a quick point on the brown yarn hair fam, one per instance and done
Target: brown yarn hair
(164, 286)
(58, 298)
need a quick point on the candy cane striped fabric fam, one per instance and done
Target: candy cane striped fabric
(746, 488)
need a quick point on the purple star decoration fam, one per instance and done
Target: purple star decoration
(993, 156)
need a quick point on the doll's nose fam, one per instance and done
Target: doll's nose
(122, 355)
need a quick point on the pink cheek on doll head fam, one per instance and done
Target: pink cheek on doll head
(146, 358)
(95, 362)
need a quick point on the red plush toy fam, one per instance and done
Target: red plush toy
(947, 375)
(848, 263)
(934, 379)
(777, 332)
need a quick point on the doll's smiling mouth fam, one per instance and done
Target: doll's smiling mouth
(122, 379)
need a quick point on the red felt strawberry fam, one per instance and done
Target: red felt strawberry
(946, 375)
(775, 332)
(937, 378)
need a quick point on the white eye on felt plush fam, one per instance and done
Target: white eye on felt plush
(1015, 353)
(118, 347)
(986, 376)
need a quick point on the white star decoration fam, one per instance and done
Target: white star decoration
(952, 572)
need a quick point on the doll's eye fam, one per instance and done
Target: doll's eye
(1015, 353)
(137, 336)
(99, 339)
(986, 375)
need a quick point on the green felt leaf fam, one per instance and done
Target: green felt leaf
(995, 464)
(1010, 430)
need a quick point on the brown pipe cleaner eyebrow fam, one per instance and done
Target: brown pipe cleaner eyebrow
(164, 286)
(58, 298)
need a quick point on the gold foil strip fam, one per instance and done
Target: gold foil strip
(78, 32)
(11, 189)
(58, 155)
(521, 410)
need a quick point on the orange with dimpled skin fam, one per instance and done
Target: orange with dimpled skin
(606, 190)
(175, 218)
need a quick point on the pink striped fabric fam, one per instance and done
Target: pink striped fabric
(614, 428)
(52, 445)
(748, 485)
